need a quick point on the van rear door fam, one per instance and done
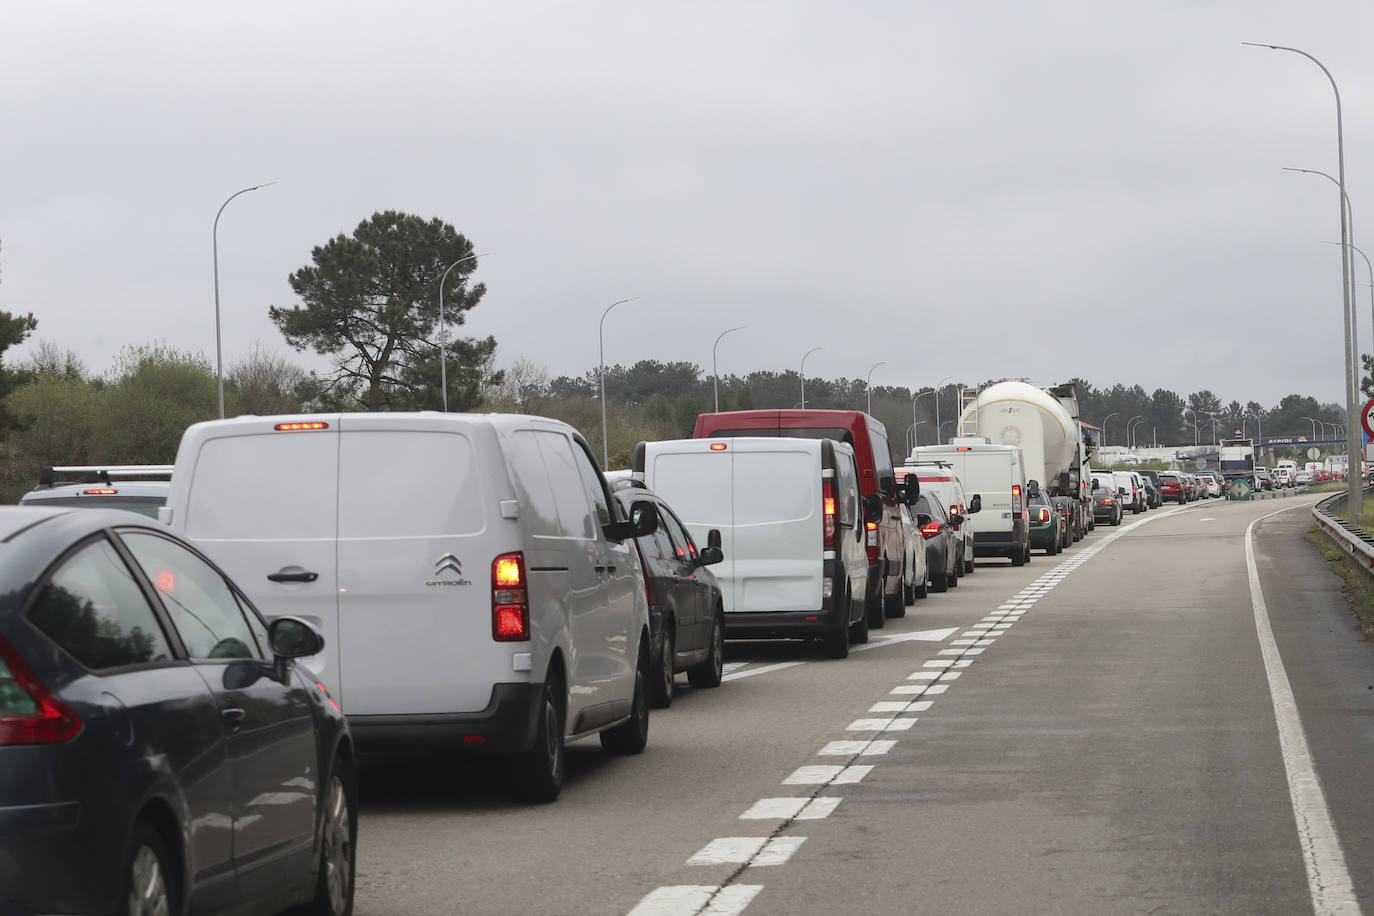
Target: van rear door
(414, 567)
(695, 477)
(779, 527)
(260, 499)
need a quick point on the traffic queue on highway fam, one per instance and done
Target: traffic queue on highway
(316, 589)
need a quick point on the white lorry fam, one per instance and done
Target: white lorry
(1044, 424)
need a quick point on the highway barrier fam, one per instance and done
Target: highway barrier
(1350, 538)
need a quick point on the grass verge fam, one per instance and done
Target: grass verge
(1359, 586)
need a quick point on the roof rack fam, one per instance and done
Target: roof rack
(103, 473)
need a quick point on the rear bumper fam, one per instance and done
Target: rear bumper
(998, 543)
(833, 614)
(46, 866)
(507, 724)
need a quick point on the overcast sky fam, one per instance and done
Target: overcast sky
(967, 190)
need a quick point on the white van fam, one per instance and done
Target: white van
(792, 529)
(996, 474)
(472, 576)
(941, 478)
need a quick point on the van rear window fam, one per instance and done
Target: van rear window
(408, 484)
(279, 486)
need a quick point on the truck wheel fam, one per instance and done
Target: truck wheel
(632, 737)
(709, 672)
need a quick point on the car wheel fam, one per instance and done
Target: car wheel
(940, 581)
(908, 593)
(1053, 548)
(970, 563)
(874, 603)
(540, 773)
(895, 607)
(662, 674)
(922, 590)
(632, 737)
(338, 861)
(709, 672)
(1018, 558)
(858, 631)
(954, 572)
(150, 876)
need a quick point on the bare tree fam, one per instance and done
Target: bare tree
(267, 383)
(527, 385)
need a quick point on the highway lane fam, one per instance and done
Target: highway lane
(1110, 747)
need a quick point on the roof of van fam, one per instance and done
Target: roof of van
(781, 419)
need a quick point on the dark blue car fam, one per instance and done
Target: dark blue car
(160, 752)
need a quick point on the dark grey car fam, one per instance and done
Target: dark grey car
(160, 752)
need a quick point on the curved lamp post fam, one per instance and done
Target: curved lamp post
(1104, 424)
(1130, 430)
(911, 433)
(443, 329)
(1370, 268)
(214, 241)
(803, 374)
(868, 384)
(715, 379)
(938, 425)
(1355, 501)
(1349, 216)
(1194, 413)
(601, 335)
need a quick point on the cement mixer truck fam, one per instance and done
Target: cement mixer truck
(1044, 423)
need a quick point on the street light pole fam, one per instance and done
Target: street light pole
(214, 241)
(1130, 430)
(868, 384)
(1104, 425)
(715, 379)
(1348, 214)
(1370, 268)
(803, 374)
(938, 425)
(1355, 500)
(1194, 413)
(443, 330)
(601, 334)
(1314, 427)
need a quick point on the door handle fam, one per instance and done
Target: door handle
(233, 715)
(292, 576)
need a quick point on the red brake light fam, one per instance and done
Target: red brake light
(101, 491)
(717, 446)
(510, 605)
(29, 714)
(298, 427)
(930, 529)
(1016, 500)
(962, 448)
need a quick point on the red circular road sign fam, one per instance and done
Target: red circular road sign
(1367, 417)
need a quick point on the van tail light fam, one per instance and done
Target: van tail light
(828, 507)
(648, 579)
(510, 603)
(1016, 500)
(29, 713)
(101, 491)
(300, 427)
(871, 530)
(931, 529)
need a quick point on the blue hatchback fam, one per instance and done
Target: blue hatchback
(160, 752)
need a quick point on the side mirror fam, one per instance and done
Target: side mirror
(1120, 491)
(643, 520)
(291, 637)
(888, 486)
(713, 538)
(976, 505)
(955, 521)
(873, 508)
(923, 519)
(709, 556)
(911, 490)
(1033, 488)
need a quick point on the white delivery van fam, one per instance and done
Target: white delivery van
(791, 523)
(996, 476)
(940, 478)
(475, 583)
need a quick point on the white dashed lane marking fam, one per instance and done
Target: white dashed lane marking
(750, 850)
(706, 899)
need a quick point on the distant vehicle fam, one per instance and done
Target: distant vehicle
(996, 475)
(792, 527)
(916, 576)
(1289, 465)
(1237, 458)
(162, 749)
(873, 457)
(1302, 478)
(140, 488)
(1106, 503)
(1263, 480)
(487, 600)
(1046, 525)
(686, 615)
(941, 479)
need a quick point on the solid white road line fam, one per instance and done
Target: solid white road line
(1328, 879)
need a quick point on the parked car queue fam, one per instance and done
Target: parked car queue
(224, 582)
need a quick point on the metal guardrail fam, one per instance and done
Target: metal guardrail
(1350, 538)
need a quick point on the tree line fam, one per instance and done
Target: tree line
(370, 302)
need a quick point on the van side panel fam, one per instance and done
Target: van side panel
(255, 516)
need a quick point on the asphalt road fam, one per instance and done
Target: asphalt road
(1093, 733)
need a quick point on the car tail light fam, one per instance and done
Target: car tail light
(1016, 500)
(1043, 515)
(648, 579)
(828, 507)
(510, 604)
(300, 427)
(29, 713)
(930, 529)
(1104, 502)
